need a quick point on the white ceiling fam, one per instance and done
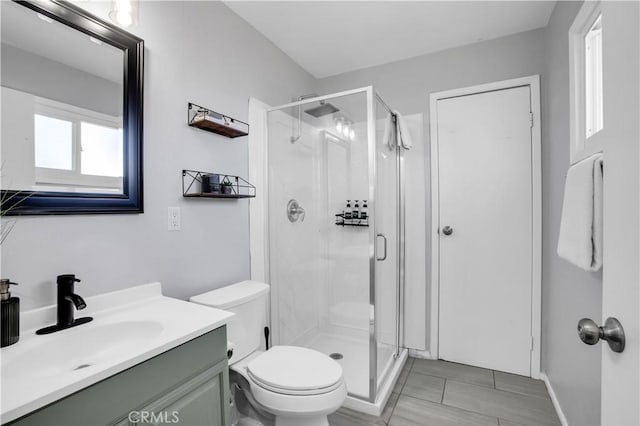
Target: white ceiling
(332, 37)
(22, 28)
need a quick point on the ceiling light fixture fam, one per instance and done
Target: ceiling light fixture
(124, 12)
(344, 128)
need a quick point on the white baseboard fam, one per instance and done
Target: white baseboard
(554, 399)
(418, 353)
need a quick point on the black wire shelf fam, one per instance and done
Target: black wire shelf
(198, 184)
(211, 121)
(343, 221)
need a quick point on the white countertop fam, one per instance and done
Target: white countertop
(129, 326)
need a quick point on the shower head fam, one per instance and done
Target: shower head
(321, 110)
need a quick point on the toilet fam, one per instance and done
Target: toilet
(299, 386)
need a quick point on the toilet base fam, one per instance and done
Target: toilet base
(302, 421)
(288, 410)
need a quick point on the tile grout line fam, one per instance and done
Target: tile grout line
(497, 390)
(395, 405)
(454, 407)
(393, 410)
(461, 381)
(458, 379)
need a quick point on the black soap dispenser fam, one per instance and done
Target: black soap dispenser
(10, 315)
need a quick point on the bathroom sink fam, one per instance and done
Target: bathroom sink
(82, 347)
(129, 327)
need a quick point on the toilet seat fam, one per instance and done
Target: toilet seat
(310, 408)
(292, 370)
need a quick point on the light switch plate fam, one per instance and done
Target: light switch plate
(173, 219)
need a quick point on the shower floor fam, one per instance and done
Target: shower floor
(354, 361)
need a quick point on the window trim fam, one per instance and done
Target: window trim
(581, 146)
(74, 177)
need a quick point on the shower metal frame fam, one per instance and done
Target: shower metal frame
(371, 97)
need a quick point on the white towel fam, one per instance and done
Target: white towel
(580, 240)
(404, 136)
(389, 131)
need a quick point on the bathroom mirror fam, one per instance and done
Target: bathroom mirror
(71, 112)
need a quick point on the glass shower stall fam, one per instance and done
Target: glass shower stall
(335, 234)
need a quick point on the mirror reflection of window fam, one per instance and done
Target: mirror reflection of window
(53, 142)
(76, 146)
(102, 150)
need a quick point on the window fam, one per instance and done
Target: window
(593, 78)
(586, 75)
(101, 152)
(77, 147)
(54, 142)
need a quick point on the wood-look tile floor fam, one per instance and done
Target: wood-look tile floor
(443, 393)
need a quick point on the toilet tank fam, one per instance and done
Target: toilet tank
(248, 301)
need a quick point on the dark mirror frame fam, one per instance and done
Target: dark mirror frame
(131, 200)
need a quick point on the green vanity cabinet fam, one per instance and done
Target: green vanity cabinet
(187, 385)
(189, 404)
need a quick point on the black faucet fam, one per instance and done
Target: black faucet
(67, 302)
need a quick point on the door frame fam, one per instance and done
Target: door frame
(533, 82)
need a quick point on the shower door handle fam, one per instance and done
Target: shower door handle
(384, 238)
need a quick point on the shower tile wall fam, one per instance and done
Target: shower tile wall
(298, 273)
(348, 247)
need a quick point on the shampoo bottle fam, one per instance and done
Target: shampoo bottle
(10, 315)
(347, 211)
(364, 212)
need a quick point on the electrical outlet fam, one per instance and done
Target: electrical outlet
(174, 219)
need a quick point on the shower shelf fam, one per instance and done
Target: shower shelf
(211, 121)
(192, 185)
(341, 221)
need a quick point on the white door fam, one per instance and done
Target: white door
(621, 236)
(485, 198)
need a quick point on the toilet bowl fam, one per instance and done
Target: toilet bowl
(299, 386)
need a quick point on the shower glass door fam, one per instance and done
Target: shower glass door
(386, 223)
(328, 291)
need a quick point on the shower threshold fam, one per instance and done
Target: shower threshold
(384, 391)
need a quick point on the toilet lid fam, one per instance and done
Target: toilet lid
(291, 369)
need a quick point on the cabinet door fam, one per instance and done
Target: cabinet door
(198, 402)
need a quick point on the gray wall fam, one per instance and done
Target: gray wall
(568, 292)
(406, 85)
(195, 51)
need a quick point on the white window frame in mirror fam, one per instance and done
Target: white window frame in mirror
(581, 146)
(73, 180)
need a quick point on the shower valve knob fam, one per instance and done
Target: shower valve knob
(294, 211)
